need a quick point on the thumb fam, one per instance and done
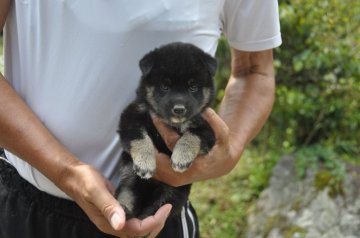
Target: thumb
(117, 219)
(169, 135)
(220, 128)
(111, 210)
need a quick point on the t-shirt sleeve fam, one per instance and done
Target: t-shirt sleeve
(251, 25)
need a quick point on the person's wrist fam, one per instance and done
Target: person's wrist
(67, 176)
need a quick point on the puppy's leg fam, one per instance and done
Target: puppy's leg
(135, 139)
(142, 152)
(185, 151)
(199, 139)
(127, 200)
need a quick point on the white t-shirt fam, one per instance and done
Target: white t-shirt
(75, 62)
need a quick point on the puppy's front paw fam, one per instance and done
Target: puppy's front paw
(143, 154)
(181, 160)
(185, 151)
(145, 169)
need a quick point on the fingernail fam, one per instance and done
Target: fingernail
(206, 112)
(115, 221)
(153, 116)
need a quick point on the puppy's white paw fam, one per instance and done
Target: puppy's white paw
(185, 151)
(143, 154)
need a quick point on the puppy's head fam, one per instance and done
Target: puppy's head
(177, 81)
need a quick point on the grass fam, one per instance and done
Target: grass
(222, 204)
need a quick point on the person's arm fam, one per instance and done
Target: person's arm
(4, 10)
(22, 133)
(249, 94)
(248, 100)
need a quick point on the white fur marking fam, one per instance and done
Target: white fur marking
(177, 120)
(141, 107)
(184, 126)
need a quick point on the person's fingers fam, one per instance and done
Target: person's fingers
(93, 193)
(166, 174)
(151, 225)
(156, 222)
(110, 186)
(169, 135)
(163, 168)
(220, 128)
(110, 208)
(162, 213)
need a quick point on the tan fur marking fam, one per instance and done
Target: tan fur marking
(207, 94)
(126, 198)
(185, 151)
(143, 153)
(150, 96)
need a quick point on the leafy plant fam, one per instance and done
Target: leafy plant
(325, 164)
(318, 77)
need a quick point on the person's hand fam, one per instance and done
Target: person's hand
(220, 160)
(150, 227)
(94, 194)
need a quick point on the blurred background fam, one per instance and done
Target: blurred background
(302, 170)
(300, 177)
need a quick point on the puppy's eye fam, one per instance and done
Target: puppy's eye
(164, 87)
(193, 87)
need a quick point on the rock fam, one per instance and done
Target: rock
(294, 208)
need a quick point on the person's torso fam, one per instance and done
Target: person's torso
(75, 63)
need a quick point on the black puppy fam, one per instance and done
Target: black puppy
(176, 85)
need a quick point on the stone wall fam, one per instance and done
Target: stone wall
(294, 207)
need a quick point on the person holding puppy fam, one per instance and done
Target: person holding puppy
(71, 66)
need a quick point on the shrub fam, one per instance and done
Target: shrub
(318, 75)
(318, 78)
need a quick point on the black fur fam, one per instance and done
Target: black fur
(176, 85)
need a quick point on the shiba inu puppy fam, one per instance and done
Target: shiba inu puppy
(176, 85)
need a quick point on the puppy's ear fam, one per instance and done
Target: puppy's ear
(211, 64)
(146, 64)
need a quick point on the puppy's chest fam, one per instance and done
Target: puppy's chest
(159, 142)
(181, 129)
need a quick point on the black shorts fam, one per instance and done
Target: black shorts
(26, 212)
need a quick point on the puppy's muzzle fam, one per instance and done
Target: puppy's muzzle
(178, 110)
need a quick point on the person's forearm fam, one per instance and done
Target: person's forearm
(4, 9)
(246, 115)
(248, 101)
(22, 133)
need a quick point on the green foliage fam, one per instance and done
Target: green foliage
(223, 58)
(288, 230)
(222, 203)
(311, 157)
(318, 76)
(316, 114)
(329, 170)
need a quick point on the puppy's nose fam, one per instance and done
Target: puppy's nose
(179, 110)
